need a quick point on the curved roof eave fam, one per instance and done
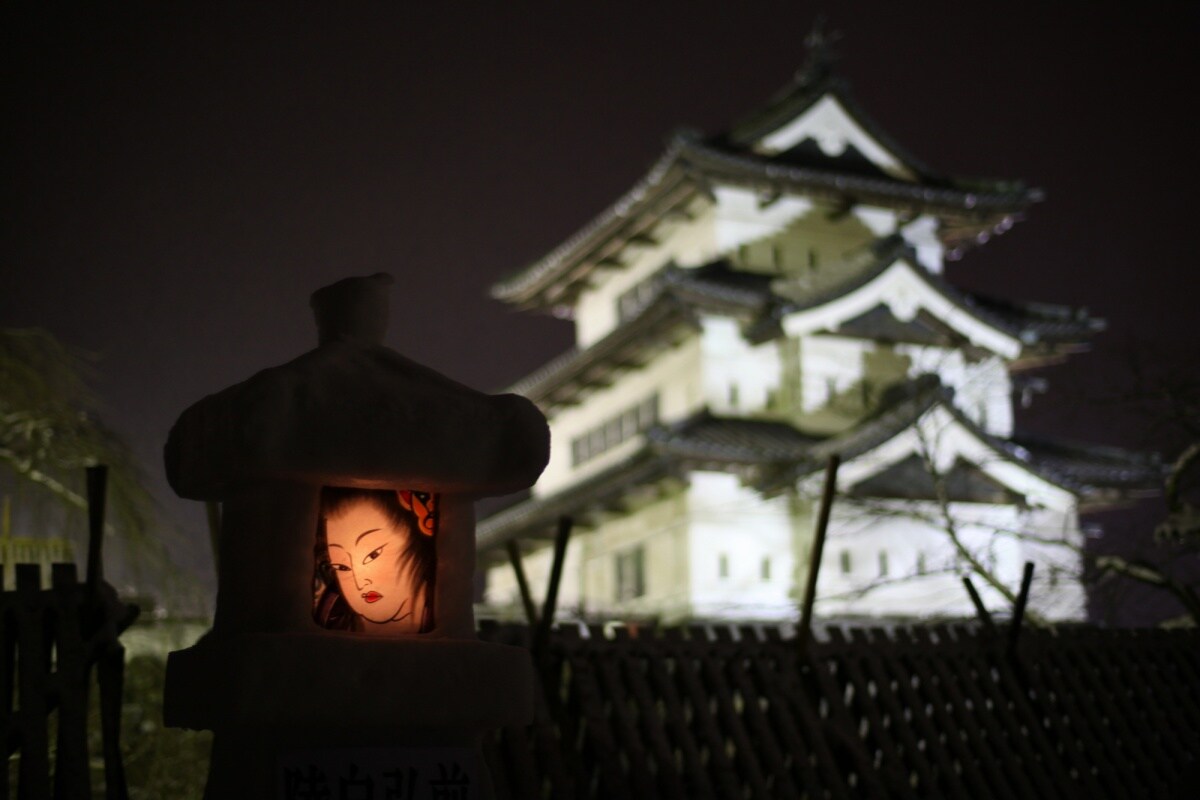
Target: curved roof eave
(689, 160)
(526, 283)
(857, 298)
(863, 187)
(929, 395)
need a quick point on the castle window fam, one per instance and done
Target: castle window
(723, 566)
(883, 563)
(922, 568)
(614, 431)
(765, 568)
(631, 573)
(635, 300)
(647, 412)
(846, 564)
(864, 388)
(831, 389)
(733, 395)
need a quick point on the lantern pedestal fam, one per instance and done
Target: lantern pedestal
(302, 708)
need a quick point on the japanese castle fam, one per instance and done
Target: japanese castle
(761, 299)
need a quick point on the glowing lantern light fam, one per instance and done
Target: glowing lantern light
(343, 645)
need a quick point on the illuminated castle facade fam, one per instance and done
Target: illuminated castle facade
(763, 298)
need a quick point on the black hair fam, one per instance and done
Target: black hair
(419, 558)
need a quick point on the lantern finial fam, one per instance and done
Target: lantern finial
(354, 309)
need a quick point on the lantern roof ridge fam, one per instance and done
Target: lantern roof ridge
(355, 412)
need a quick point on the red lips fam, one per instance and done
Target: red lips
(371, 597)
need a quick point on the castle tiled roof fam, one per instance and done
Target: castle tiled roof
(1100, 474)
(718, 285)
(719, 288)
(536, 516)
(772, 454)
(808, 87)
(690, 165)
(716, 162)
(734, 440)
(1039, 322)
(662, 322)
(1086, 467)
(1031, 323)
(666, 186)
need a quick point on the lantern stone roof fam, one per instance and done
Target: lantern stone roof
(772, 455)
(353, 412)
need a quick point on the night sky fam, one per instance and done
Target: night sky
(178, 181)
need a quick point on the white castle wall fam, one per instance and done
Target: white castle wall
(829, 365)
(983, 388)
(1057, 590)
(737, 377)
(733, 526)
(922, 564)
(661, 530)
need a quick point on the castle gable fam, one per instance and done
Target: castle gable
(826, 134)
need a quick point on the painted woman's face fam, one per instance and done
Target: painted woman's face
(365, 549)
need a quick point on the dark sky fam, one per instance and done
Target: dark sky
(178, 181)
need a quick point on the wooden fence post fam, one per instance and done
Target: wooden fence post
(980, 610)
(111, 675)
(514, 558)
(542, 635)
(1014, 631)
(72, 774)
(97, 488)
(803, 633)
(33, 667)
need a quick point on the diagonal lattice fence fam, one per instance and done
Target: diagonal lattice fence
(941, 711)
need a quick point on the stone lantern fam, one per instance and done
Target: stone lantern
(388, 697)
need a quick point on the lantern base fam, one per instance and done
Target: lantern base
(267, 763)
(332, 680)
(332, 709)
